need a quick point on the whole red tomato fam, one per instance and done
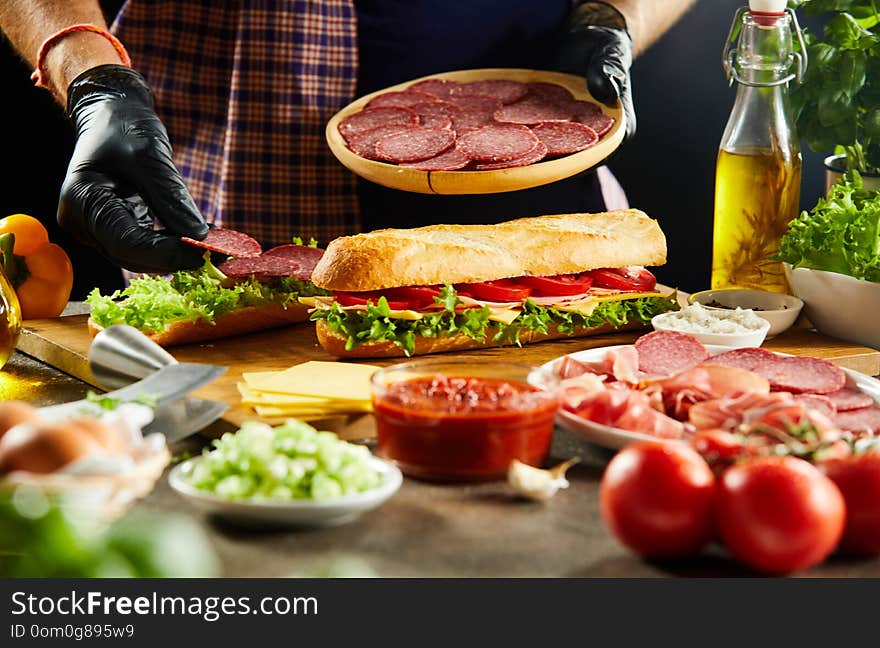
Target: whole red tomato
(858, 478)
(779, 514)
(657, 498)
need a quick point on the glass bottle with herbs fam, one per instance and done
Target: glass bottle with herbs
(758, 174)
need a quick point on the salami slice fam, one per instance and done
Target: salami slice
(414, 144)
(663, 353)
(305, 255)
(801, 374)
(435, 108)
(371, 118)
(451, 160)
(563, 138)
(859, 421)
(746, 358)
(535, 155)
(821, 404)
(847, 399)
(497, 142)
(405, 99)
(476, 104)
(601, 123)
(435, 121)
(582, 109)
(440, 88)
(552, 92)
(364, 144)
(262, 266)
(504, 90)
(227, 241)
(532, 111)
(468, 119)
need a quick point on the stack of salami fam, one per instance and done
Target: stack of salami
(442, 125)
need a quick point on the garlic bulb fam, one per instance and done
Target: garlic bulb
(536, 483)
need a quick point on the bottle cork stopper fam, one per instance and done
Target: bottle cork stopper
(768, 6)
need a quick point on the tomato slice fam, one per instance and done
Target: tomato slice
(559, 285)
(634, 278)
(419, 296)
(361, 299)
(503, 290)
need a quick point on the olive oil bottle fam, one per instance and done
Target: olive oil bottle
(758, 173)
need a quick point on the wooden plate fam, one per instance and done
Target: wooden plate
(479, 182)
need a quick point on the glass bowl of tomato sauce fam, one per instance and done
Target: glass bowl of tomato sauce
(463, 420)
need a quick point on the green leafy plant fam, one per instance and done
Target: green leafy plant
(840, 234)
(838, 105)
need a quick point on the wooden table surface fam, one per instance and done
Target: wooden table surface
(430, 530)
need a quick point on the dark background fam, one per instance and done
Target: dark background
(682, 100)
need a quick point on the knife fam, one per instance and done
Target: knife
(175, 416)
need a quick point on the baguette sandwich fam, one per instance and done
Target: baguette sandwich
(456, 287)
(242, 295)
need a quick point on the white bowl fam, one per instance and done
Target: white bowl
(732, 340)
(293, 513)
(778, 309)
(839, 305)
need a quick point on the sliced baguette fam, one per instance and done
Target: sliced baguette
(237, 322)
(334, 343)
(541, 246)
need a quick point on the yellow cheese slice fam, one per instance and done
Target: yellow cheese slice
(622, 296)
(504, 315)
(278, 412)
(328, 380)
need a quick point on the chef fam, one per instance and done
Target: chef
(244, 89)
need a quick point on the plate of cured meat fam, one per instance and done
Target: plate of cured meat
(476, 131)
(670, 386)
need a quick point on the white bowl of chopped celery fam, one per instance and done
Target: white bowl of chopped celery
(289, 475)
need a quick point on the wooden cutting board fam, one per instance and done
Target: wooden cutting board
(64, 343)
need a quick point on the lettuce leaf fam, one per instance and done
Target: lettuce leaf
(151, 304)
(376, 324)
(840, 234)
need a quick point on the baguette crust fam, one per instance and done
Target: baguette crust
(541, 246)
(237, 322)
(334, 343)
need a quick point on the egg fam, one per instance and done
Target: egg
(14, 412)
(50, 446)
(107, 436)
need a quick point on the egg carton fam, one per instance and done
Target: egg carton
(109, 495)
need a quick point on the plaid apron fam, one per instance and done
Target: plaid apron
(245, 88)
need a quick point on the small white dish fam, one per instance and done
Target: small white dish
(616, 438)
(780, 310)
(732, 340)
(292, 513)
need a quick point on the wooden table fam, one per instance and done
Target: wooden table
(430, 530)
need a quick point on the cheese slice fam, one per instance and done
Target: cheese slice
(277, 412)
(504, 315)
(626, 295)
(328, 380)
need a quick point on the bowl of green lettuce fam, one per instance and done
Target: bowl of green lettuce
(832, 262)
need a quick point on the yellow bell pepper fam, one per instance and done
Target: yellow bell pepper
(40, 271)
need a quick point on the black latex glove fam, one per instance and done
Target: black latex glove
(601, 53)
(121, 176)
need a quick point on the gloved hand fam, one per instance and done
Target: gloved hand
(121, 176)
(597, 46)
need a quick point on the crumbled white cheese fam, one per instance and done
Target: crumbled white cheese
(696, 319)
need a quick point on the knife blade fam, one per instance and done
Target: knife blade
(169, 384)
(184, 417)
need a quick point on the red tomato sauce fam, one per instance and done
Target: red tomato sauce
(461, 429)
